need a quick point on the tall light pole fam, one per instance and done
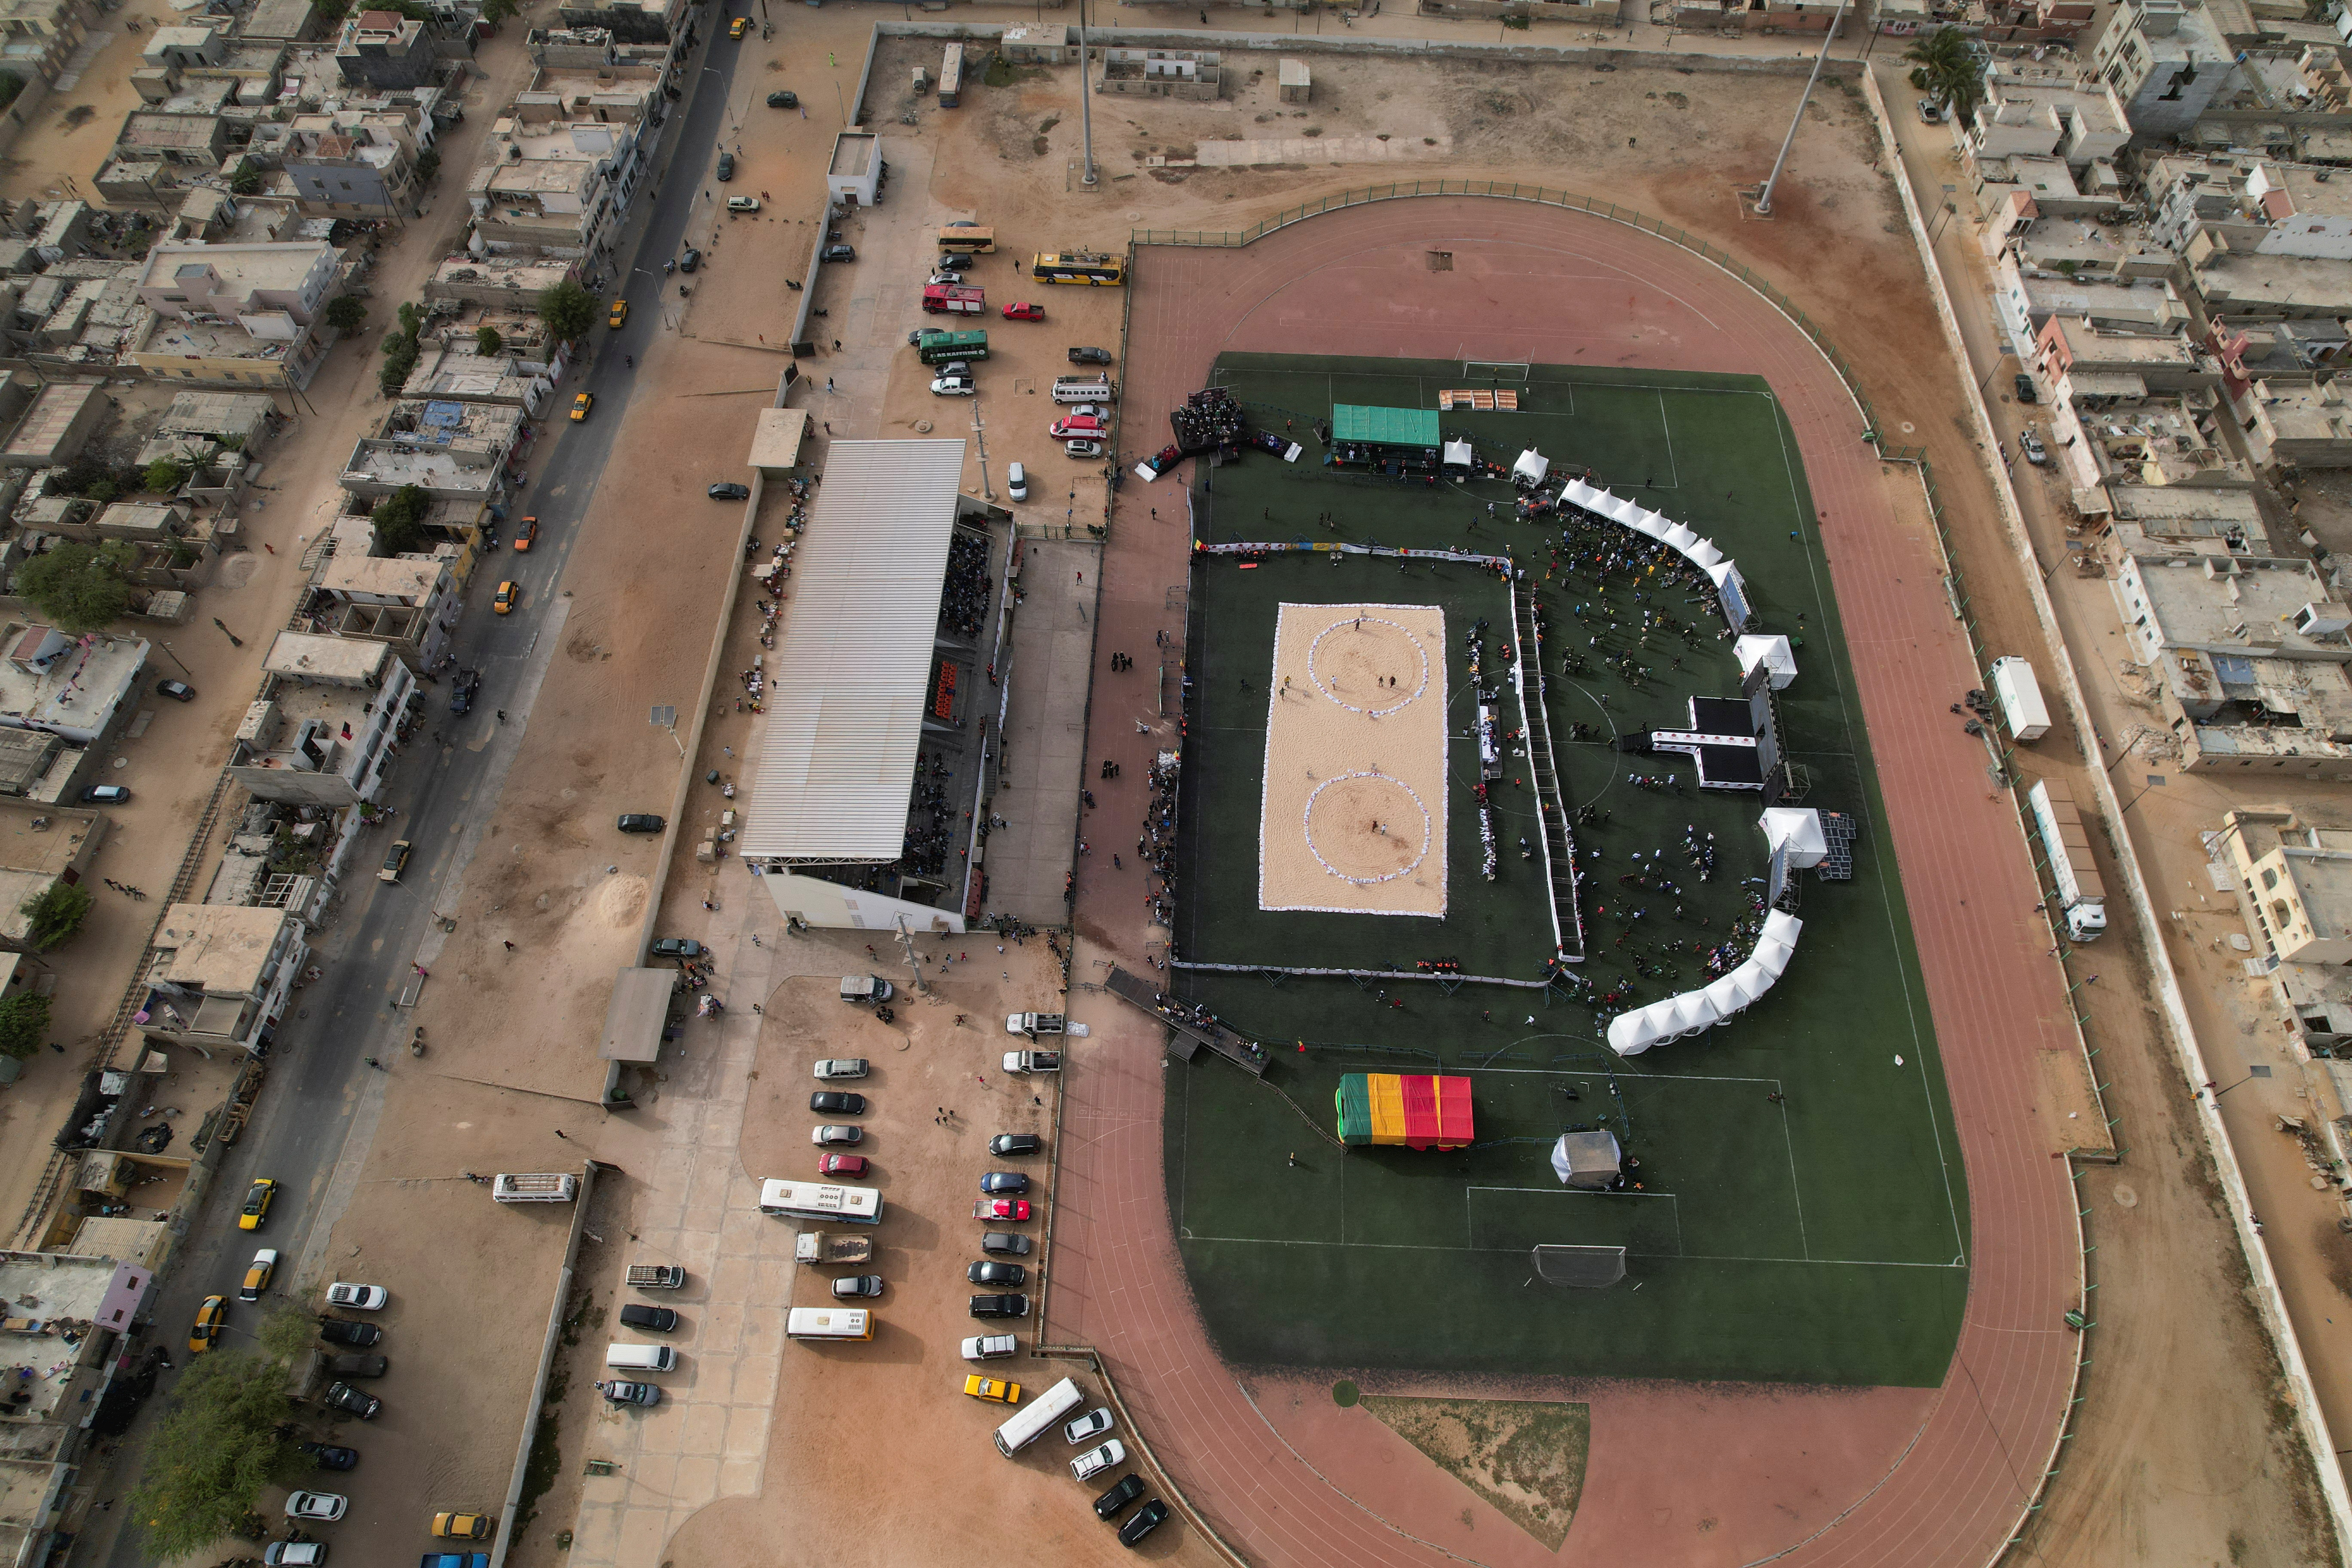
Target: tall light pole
(1764, 201)
(1086, 99)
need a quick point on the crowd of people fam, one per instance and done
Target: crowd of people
(932, 819)
(964, 598)
(1155, 846)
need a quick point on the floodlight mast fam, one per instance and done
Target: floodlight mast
(1764, 199)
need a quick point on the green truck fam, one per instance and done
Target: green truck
(939, 348)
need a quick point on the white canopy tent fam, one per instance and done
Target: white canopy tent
(1460, 455)
(1630, 1034)
(1588, 1160)
(1798, 827)
(1531, 470)
(1772, 652)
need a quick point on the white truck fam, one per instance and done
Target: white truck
(2082, 897)
(656, 1277)
(536, 1187)
(1036, 1024)
(1032, 1061)
(2019, 696)
(813, 1246)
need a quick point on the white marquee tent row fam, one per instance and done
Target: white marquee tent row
(1631, 1034)
(1676, 536)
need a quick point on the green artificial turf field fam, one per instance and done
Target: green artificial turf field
(1819, 1237)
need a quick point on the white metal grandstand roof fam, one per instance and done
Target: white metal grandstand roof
(849, 677)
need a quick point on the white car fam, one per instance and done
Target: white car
(988, 1347)
(1093, 1424)
(742, 203)
(841, 1067)
(2029, 443)
(1093, 1461)
(1016, 481)
(325, 1506)
(954, 386)
(294, 1553)
(1082, 449)
(357, 1298)
(1087, 411)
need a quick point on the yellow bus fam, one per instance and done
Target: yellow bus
(968, 239)
(1079, 267)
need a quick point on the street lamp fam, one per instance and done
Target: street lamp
(176, 658)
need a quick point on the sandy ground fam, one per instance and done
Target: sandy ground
(1352, 819)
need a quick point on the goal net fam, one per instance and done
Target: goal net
(1585, 1268)
(1495, 370)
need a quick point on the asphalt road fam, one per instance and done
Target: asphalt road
(318, 1071)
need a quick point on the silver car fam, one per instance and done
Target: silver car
(833, 1068)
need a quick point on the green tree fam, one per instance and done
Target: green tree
(164, 476)
(487, 340)
(428, 163)
(78, 587)
(346, 313)
(24, 1025)
(399, 519)
(568, 309)
(214, 1449)
(55, 915)
(499, 10)
(1945, 66)
(245, 181)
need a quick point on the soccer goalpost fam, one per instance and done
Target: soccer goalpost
(1494, 370)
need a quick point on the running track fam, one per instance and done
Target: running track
(1678, 1472)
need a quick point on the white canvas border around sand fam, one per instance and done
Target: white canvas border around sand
(1434, 844)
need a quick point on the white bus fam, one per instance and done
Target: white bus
(1033, 1422)
(828, 1323)
(820, 1200)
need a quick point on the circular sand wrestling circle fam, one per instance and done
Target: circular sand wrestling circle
(1366, 827)
(1354, 662)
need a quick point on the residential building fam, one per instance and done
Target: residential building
(41, 847)
(453, 451)
(2303, 424)
(2027, 299)
(281, 21)
(355, 166)
(2120, 365)
(220, 975)
(2270, 288)
(1195, 74)
(52, 433)
(560, 167)
(629, 21)
(2047, 114)
(2250, 607)
(63, 1338)
(2166, 61)
(2174, 519)
(2294, 881)
(855, 174)
(80, 688)
(38, 36)
(451, 374)
(321, 730)
(244, 314)
(84, 315)
(409, 602)
(511, 284)
(384, 49)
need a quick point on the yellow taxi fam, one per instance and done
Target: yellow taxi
(620, 313)
(259, 1274)
(581, 405)
(211, 1319)
(510, 595)
(257, 1204)
(1002, 1393)
(742, 26)
(462, 1526)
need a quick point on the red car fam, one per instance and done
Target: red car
(1001, 1208)
(1077, 427)
(840, 1165)
(1023, 312)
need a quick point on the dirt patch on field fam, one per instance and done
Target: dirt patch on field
(1525, 1459)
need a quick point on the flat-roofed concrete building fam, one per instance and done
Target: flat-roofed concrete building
(320, 730)
(220, 975)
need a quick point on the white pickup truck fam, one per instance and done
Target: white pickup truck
(1032, 1061)
(1036, 1024)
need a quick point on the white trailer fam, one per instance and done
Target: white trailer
(2082, 897)
(2019, 696)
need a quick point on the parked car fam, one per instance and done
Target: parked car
(783, 100)
(954, 370)
(344, 1397)
(740, 26)
(358, 1365)
(730, 492)
(985, 1273)
(2025, 388)
(955, 262)
(856, 1286)
(1127, 1491)
(357, 1298)
(989, 1347)
(689, 259)
(1931, 111)
(653, 1320)
(1022, 311)
(1014, 1144)
(1148, 1518)
(1004, 1243)
(1004, 1182)
(621, 1392)
(1077, 429)
(294, 1553)
(342, 1331)
(257, 1198)
(841, 1067)
(1090, 356)
(1014, 1209)
(833, 1135)
(641, 822)
(1000, 1306)
(258, 1275)
(177, 690)
(620, 313)
(993, 1388)
(1095, 1461)
(1082, 448)
(677, 947)
(212, 1322)
(853, 1166)
(325, 1506)
(105, 795)
(462, 689)
(726, 167)
(396, 862)
(580, 404)
(2029, 443)
(841, 253)
(462, 1526)
(954, 386)
(837, 1102)
(327, 1457)
(1016, 481)
(742, 203)
(509, 593)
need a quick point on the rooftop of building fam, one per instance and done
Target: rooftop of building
(2253, 606)
(221, 949)
(210, 340)
(278, 266)
(2311, 284)
(523, 275)
(54, 1286)
(407, 578)
(55, 409)
(853, 153)
(2090, 347)
(339, 661)
(449, 371)
(457, 426)
(48, 849)
(77, 686)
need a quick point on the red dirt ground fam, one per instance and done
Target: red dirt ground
(1712, 1474)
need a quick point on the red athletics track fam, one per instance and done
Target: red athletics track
(1709, 1475)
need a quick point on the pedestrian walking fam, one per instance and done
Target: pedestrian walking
(828, 385)
(511, 947)
(502, 715)
(1775, 1096)
(422, 973)
(559, 1132)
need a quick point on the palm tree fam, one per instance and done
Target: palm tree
(1945, 66)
